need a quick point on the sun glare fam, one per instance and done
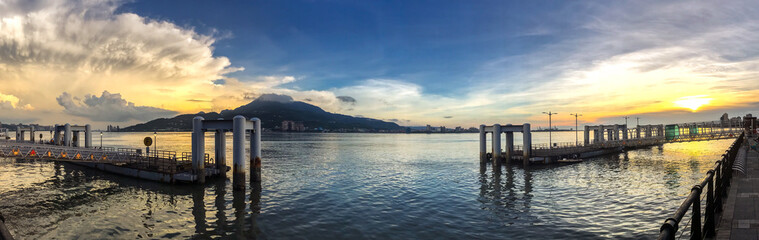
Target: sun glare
(693, 102)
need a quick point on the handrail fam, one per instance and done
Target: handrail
(716, 182)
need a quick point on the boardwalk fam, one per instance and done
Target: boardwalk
(740, 219)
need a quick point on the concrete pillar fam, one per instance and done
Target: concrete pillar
(87, 136)
(526, 143)
(198, 149)
(31, 134)
(220, 150)
(615, 132)
(637, 132)
(624, 133)
(483, 144)
(255, 151)
(56, 135)
(601, 133)
(497, 150)
(19, 136)
(586, 135)
(238, 152)
(67, 135)
(509, 145)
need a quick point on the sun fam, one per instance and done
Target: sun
(693, 102)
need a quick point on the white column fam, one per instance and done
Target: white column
(198, 149)
(19, 136)
(238, 152)
(67, 135)
(255, 151)
(87, 136)
(497, 145)
(526, 143)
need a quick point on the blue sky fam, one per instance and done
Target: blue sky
(438, 44)
(411, 62)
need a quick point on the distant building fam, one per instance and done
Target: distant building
(442, 129)
(293, 126)
(429, 128)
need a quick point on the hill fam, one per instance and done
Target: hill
(272, 111)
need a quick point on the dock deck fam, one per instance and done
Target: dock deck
(740, 219)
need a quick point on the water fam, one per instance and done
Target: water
(349, 186)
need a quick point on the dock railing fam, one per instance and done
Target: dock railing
(716, 182)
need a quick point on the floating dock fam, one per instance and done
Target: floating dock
(162, 166)
(598, 140)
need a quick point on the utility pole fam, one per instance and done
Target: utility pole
(576, 139)
(626, 117)
(550, 144)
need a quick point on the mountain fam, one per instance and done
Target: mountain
(271, 111)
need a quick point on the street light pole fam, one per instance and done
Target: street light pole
(101, 140)
(626, 117)
(550, 143)
(577, 142)
(637, 121)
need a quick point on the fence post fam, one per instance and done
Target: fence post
(695, 227)
(718, 190)
(709, 218)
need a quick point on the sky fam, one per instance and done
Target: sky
(451, 63)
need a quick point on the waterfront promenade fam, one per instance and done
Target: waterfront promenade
(740, 219)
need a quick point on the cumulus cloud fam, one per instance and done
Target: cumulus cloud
(83, 46)
(9, 102)
(109, 107)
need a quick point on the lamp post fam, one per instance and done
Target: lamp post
(576, 115)
(101, 140)
(155, 139)
(550, 144)
(626, 117)
(637, 121)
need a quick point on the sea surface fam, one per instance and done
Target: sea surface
(360, 186)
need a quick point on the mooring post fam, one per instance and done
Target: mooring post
(497, 146)
(67, 135)
(255, 152)
(526, 143)
(198, 149)
(238, 152)
(509, 145)
(483, 144)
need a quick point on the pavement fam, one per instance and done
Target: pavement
(740, 216)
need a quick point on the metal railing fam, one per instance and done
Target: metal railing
(716, 183)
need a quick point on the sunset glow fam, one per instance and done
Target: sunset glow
(693, 102)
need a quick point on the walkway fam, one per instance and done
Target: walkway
(740, 219)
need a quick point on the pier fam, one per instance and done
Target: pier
(162, 166)
(598, 140)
